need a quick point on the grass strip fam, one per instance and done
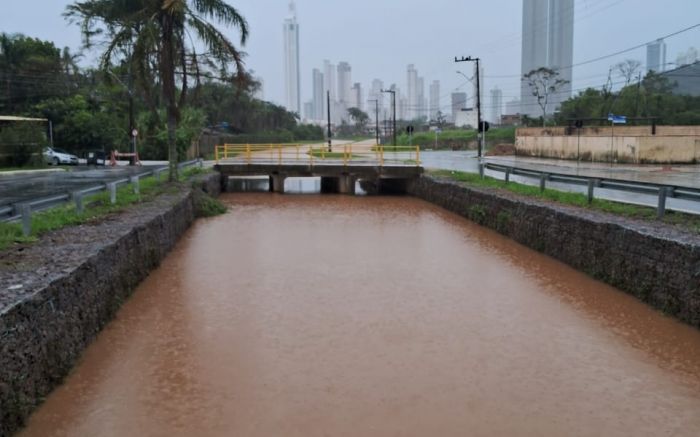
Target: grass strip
(690, 222)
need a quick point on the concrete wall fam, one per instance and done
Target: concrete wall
(629, 144)
(66, 300)
(657, 263)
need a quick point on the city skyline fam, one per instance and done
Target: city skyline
(496, 38)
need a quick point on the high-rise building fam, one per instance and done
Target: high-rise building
(412, 91)
(291, 61)
(375, 93)
(547, 41)
(496, 105)
(656, 56)
(309, 113)
(419, 110)
(434, 99)
(356, 97)
(319, 97)
(344, 82)
(459, 102)
(329, 83)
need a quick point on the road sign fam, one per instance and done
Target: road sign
(485, 126)
(134, 133)
(617, 119)
(409, 130)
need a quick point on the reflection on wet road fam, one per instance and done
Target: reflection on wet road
(369, 316)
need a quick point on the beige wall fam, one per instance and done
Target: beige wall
(635, 144)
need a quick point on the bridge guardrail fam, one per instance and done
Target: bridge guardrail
(23, 210)
(663, 191)
(314, 154)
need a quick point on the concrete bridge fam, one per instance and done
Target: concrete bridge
(379, 168)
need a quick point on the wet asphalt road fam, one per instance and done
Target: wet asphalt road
(21, 188)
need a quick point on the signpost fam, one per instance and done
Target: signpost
(409, 130)
(614, 119)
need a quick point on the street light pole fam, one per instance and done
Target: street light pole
(393, 108)
(328, 104)
(479, 127)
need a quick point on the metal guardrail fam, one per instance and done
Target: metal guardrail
(663, 191)
(23, 210)
(346, 154)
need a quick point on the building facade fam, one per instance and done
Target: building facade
(291, 61)
(434, 100)
(547, 41)
(459, 102)
(496, 106)
(656, 56)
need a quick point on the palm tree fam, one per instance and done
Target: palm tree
(159, 38)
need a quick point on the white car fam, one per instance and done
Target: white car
(56, 156)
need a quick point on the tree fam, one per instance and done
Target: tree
(160, 38)
(30, 70)
(360, 118)
(628, 69)
(543, 83)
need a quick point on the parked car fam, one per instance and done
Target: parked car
(56, 156)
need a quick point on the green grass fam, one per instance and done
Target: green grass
(97, 206)
(688, 221)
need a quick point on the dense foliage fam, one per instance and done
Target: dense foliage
(89, 108)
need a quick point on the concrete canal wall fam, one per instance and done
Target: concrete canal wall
(631, 144)
(64, 289)
(656, 263)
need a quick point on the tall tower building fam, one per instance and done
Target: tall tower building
(319, 98)
(329, 84)
(496, 105)
(344, 82)
(420, 97)
(356, 97)
(412, 92)
(375, 93)
(291, 61)
(434, 99)
(656, 56)
(548, 41)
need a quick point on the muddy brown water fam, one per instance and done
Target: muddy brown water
(360, 316)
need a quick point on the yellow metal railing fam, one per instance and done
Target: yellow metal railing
(347, 154)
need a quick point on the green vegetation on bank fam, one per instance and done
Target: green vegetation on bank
(458, 138)
(687, 221)
(98, 206)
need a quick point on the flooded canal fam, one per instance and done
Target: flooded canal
(309, 315)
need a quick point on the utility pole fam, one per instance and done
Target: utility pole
(132, 122)
(393, 108)
(479, 127)
(328, 104)
(376, 113)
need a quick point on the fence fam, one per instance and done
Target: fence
(662, 191)
(347, 154)
(23, 211)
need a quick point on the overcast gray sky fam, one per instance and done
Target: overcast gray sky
(379, 38)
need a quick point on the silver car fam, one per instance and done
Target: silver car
(56, 156)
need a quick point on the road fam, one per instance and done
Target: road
(21, 188)
(679, 175)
